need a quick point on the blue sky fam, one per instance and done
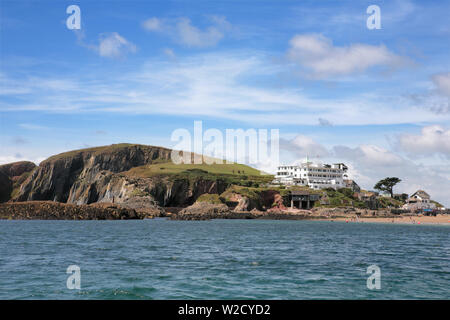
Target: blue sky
(137, 70)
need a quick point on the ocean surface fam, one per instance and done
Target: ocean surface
(222, 259)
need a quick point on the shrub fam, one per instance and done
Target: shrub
(210, 198)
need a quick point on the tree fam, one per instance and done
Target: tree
(387, 185)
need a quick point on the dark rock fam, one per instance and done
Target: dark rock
(12, 175)
(49, 210)
(5, 187)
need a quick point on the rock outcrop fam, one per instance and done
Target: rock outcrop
(248, 199)
(177, 192)
(101, 175)
(5, 187)
(202, 211)
(12, 175)
(74, 177)
(50, 210)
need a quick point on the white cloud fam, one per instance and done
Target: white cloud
(433, 139)
(110, 45)
(113, 45)
(302, 146)
(152, 24)
(192, 36)
(18, 157)
(10, 159)
(368, 155)
(181, 30)
(369, 164)
(209, 85)
(442, 82)
(169, 53)
(30, 126)
(436, 98)
(318, 54)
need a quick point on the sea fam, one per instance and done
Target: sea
(222, 259)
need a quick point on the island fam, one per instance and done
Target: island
(131, 181)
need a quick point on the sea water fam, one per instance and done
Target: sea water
(222, 259)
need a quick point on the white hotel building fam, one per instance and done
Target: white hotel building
(315, 176)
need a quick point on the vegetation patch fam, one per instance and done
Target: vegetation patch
(16, 184)
(169, 167)
(195, 172)
(210, 198)
(437, 204)
(139, 193)
(387, 202)
(340, 198)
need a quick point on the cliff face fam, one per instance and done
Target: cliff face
(12, 175)
(100, 175)
(168, 192)
(75, 176)
(5, 187)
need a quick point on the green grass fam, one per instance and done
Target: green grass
(171, 168)
(389, 202)
(340, 198)
(97, 150)
(16, 185)
(139, 193)
(438, 205)
(210, 198)
(251, 193)
(232, 174)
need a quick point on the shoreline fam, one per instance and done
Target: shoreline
(49, 210)
(417, 220)
(441, 221)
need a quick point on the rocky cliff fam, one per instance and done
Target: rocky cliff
(73, 176)
(12, 175)
(102, 175)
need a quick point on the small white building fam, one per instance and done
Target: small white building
(313, 175)
(419, 200)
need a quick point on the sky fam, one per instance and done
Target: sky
(337, 91)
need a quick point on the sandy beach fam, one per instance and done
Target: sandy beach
(419, 219)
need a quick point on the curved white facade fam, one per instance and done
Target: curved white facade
(316, 176)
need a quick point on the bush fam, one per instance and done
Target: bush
(210, 198)
(346, 192)
(139, 193)
(399, 211)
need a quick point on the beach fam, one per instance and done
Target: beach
(440, 219)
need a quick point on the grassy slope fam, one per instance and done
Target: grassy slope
(389, 202)
(98, 150)
(18, 183)
(233, 173)
(210, 198)
(171, 168)
(438, 205)
(160, 167)
(19, 180)
(339, 198)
